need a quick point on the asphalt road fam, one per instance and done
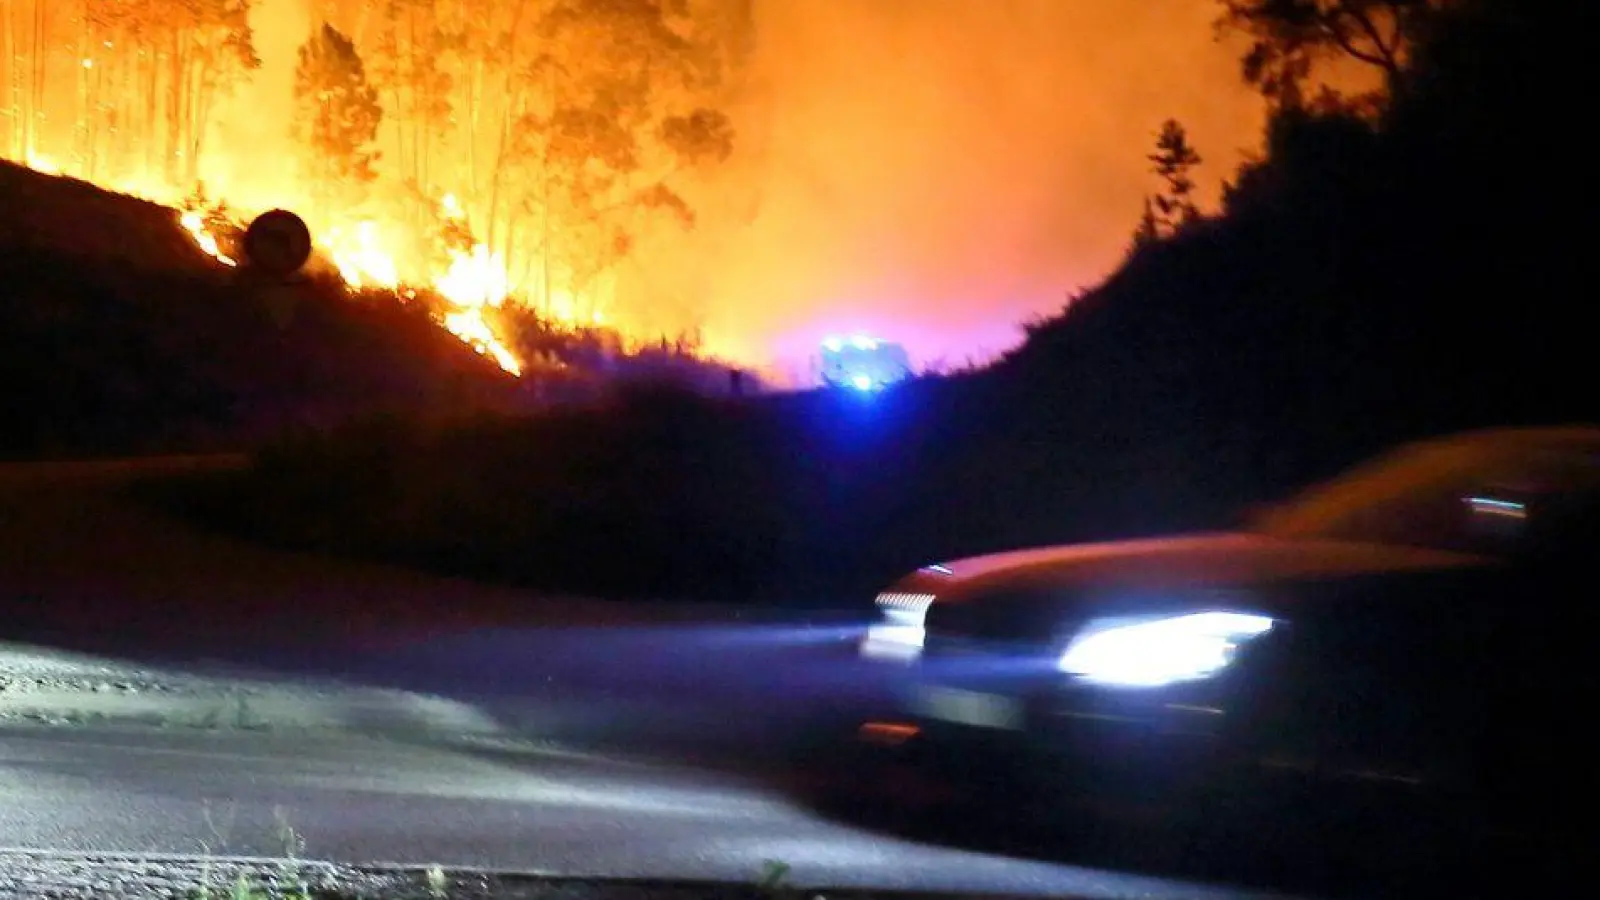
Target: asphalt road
(366, 801)
(607, 741)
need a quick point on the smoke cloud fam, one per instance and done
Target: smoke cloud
(937, 171)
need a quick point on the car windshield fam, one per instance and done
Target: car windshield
(1477, 496)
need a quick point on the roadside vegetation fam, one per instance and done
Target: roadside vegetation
(118, 337)
(1396, 264)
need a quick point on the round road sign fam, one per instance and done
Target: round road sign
(277, 243)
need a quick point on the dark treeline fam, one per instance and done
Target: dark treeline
(1394, 266)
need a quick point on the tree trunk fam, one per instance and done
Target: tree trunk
(497, 176)
(117, 107)
(511, 101)
(399, 134)
(474, 111)
(13, 87)
(421, 95)
(150, 140)
(38, 59)
(174, 110)
(204, 91)
(82, 121)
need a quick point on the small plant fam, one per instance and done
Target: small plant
(774, 876)
(294, 844)
(219, 830)
(242, 889)
(246, 886)
(438, 883)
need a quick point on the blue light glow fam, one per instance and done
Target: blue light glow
(942, 570)
(862, 363)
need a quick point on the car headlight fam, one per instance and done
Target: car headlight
(1157, 652)
(899, 635)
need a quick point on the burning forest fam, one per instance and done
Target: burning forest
(493, 153)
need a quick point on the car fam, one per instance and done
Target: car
(1411, 642)
(861, 363)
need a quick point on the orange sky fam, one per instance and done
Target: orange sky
(938, 170)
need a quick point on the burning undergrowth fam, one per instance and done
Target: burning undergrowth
(122, 331)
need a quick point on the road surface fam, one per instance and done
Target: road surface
(607, 741)
(366, 800)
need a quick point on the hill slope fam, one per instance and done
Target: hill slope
(117, 335)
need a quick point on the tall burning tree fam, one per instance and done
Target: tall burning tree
(120, 90)
(336, 119)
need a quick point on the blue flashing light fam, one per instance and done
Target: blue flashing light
(942, 570)
(862, 363)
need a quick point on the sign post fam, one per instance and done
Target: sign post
(277, 245)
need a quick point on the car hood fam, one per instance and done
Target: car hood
(1227, 558)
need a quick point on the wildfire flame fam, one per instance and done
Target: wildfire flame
(361, 258)
(469, 326)
(474, 279)
(194, 223)
(41, 163)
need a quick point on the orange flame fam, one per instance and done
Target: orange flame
(41, 163)
(360, 256)
(469, 326)
(195, 224)
(474, 279)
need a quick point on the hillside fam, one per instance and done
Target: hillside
(78, 220)
(117, 335)
(1370, 280)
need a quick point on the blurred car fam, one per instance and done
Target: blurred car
(862, 363)
(1416, 635)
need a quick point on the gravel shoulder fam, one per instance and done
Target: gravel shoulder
(46, 687)
(32, 875)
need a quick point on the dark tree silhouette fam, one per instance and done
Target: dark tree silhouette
(1174, 161)
(1374, 275)
(1148, 232)
(1290, 37)
(336, 115)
